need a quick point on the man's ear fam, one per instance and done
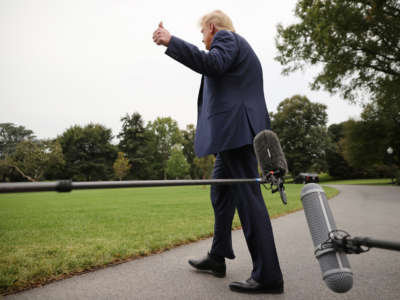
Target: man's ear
(213, 29)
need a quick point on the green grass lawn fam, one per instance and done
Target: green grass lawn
(378, 181)
(47, 236)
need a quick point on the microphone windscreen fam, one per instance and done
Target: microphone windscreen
(335, 267)
(269, 152)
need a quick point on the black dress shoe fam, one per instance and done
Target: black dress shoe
(251, 286)
(209, 265)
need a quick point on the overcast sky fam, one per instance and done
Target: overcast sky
(67, 62)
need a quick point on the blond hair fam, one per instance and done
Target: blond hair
(219, 19)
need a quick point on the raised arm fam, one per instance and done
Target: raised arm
(223, 51)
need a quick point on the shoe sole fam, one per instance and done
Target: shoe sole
(250, 291)
(208, 271)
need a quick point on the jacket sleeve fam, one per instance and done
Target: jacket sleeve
(223, 51)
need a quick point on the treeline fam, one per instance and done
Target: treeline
(365, 148)
(158, 150)
(355, 45)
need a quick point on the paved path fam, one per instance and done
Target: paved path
(361, 210)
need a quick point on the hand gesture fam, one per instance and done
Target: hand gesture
(161, 36)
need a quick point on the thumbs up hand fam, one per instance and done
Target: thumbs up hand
(161, 36)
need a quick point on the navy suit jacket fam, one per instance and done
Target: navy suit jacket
(231, 103)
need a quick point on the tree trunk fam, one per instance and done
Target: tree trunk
(22, 173)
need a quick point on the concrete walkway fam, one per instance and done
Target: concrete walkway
(372, 211)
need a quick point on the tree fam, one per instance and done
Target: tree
(366, 141)
(121, 166)
(4, 170)
(356, 41)
(360, 147)
(337, 165)
(88, 152)
(301, 127)
(136, 142)
(177, 166)
(205, 164)
(10, 136)
(166, 134)
(384, 113)
(188, 149)
(31, 159)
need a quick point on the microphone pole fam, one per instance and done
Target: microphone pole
(341, 240)
(373, 243)
(68, 185)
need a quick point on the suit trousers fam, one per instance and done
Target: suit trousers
(247, 199)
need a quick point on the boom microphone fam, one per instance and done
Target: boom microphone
(269, 153)
(271, 160)
(335, 267)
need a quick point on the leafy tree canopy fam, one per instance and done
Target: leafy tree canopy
(356, 41)
(32, 158)
(188, 149)
(121, 166)
(11, 135)
(137, 144)
(366, 141)
(177, 166)
(337, 165)
(167, 134)
(205, 165)
(301, 128)
(88, 152)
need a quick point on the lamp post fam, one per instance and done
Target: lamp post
(390, 151)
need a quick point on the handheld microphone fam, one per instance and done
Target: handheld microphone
(271, 160)
(335, 267)
(269, 153)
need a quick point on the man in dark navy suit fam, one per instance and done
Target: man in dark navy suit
(231, 111)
